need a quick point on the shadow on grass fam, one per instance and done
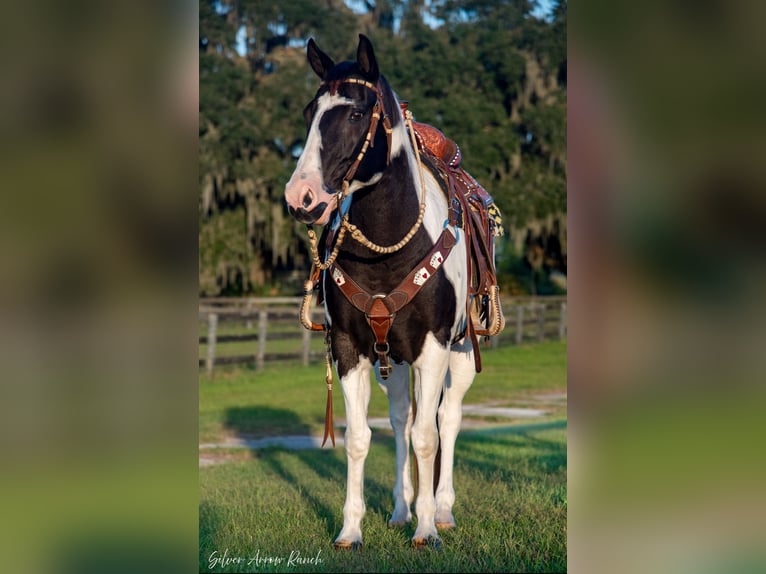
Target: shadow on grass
(478, 449)
(317, 466)
(260, 421)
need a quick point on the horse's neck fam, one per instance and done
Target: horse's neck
(385, 213)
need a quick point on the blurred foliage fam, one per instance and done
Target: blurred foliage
(487, 73)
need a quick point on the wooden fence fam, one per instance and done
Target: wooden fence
(257, 330)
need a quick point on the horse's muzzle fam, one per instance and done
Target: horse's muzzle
(308, 217)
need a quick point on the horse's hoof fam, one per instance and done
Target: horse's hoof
(398, 523)
(445, 525)
(354, 546)
(432, 542)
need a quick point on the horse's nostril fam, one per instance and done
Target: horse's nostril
(307, 200)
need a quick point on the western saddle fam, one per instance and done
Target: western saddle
(472, 209)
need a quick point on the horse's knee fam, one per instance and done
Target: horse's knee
(358, 443)
(425, 442)
(450, 418)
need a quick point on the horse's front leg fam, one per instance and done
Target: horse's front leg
(397, 389)
(356, 394)
(461, 374)
(430, 371)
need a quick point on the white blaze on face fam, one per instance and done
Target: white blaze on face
(306, 189)
(311, 158)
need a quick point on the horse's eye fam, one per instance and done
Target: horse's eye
(356, 115)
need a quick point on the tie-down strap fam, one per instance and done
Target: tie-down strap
(380, 309)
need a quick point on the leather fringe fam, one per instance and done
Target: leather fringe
(328, 421)
(329, 427)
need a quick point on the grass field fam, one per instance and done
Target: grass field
(274, 510)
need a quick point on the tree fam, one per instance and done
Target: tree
(490, 76)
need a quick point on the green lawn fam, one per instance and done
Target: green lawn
(291, 399)
(272, 505)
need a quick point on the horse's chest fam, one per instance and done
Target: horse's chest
(432, 310)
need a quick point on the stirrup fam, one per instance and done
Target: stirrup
(496, 320)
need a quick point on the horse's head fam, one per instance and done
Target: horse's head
(347, 126)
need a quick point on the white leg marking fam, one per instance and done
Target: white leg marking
(397, 388)
(430, 370)
(356, 394)
(461, 374)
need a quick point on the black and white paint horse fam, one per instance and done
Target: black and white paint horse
(360, 173)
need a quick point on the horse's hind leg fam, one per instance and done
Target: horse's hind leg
(356, 394)
(397, 389)
(461, 374)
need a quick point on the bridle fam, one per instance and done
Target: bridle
(378, 113)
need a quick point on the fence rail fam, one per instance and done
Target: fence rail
(257, 330)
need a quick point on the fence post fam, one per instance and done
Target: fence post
(541, 322)
(249, 314)
(563, 321)
(519, 323)
(212, 327)
(306, 346)
(262, 326)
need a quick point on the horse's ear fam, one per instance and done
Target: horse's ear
(320, 62)
(365, 58)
